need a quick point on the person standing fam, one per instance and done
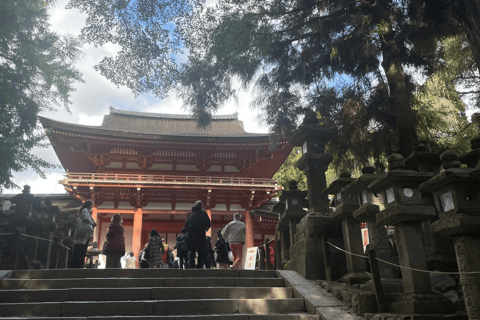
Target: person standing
(116, 242)
(234, 234)
(154, 250)
(197, 225)
(222, 248)
(81, 239)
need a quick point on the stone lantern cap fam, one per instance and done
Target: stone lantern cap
(345, 202)
(320, 133)
(402, 197)
(421, 160)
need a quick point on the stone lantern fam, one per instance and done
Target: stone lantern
(292, 202)
(369, 205)
(439, 250)
(346, 203)
(306, 252)
(458, 206)
(405, 209)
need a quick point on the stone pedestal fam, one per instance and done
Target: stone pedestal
(306, 255)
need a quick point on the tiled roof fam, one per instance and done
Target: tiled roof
(170, 116)
(172, 124)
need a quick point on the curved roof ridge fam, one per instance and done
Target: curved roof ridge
(169, 116)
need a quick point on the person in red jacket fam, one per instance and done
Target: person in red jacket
(116, 242)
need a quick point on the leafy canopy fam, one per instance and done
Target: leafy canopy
(36, 74)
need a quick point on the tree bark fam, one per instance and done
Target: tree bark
(467, 13)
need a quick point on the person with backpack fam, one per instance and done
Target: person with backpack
(221, 249)
(182, 250)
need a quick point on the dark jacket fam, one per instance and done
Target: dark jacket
(222, 248)
(197, 225)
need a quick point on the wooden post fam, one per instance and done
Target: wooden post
(249, 241)
(377, 282)
(209, 231)
(262, 258)
(55, 251)
(49, 251)
(137, 234)
(96, 235)
(16, 248)
(267, 255)
(326, 258)
(278, 252)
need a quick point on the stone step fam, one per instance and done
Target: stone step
(161, 293)
(153, 307)
(139, 282)
(295, 316)
(141, 273)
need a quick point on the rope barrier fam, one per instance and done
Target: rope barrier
(33, 237)
(403, 267)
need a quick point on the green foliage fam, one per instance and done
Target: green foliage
(147, 34)
(354, 62)
(36, 74)
(441, 111)
(288, 171)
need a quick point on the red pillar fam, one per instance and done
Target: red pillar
(137, 234)
(209, 212)
(96, 234)
(249, 242)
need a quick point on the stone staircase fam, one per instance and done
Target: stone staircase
(114, 294)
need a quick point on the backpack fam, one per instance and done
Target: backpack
(182, 246)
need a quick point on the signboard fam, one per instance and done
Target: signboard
(251, 258)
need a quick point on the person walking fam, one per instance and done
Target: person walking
(116, 242)
(234, 234)
(196, 226)
(129, 259)
(82, 238)
(154, 250)
(221, 249)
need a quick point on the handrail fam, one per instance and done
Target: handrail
(33, 237)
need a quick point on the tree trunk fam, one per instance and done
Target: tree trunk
(467, 13)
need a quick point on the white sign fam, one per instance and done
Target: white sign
(251, 258)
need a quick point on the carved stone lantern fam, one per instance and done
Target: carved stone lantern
(346, 203)
(368, 203)
(307, 253)
(458, 206)
(405, 209)
(290, 207)
(313, 137)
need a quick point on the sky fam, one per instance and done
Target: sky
(92, 99)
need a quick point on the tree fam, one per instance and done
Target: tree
(355, 62)
(147, 34)
(288, 171)
(36, 74)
